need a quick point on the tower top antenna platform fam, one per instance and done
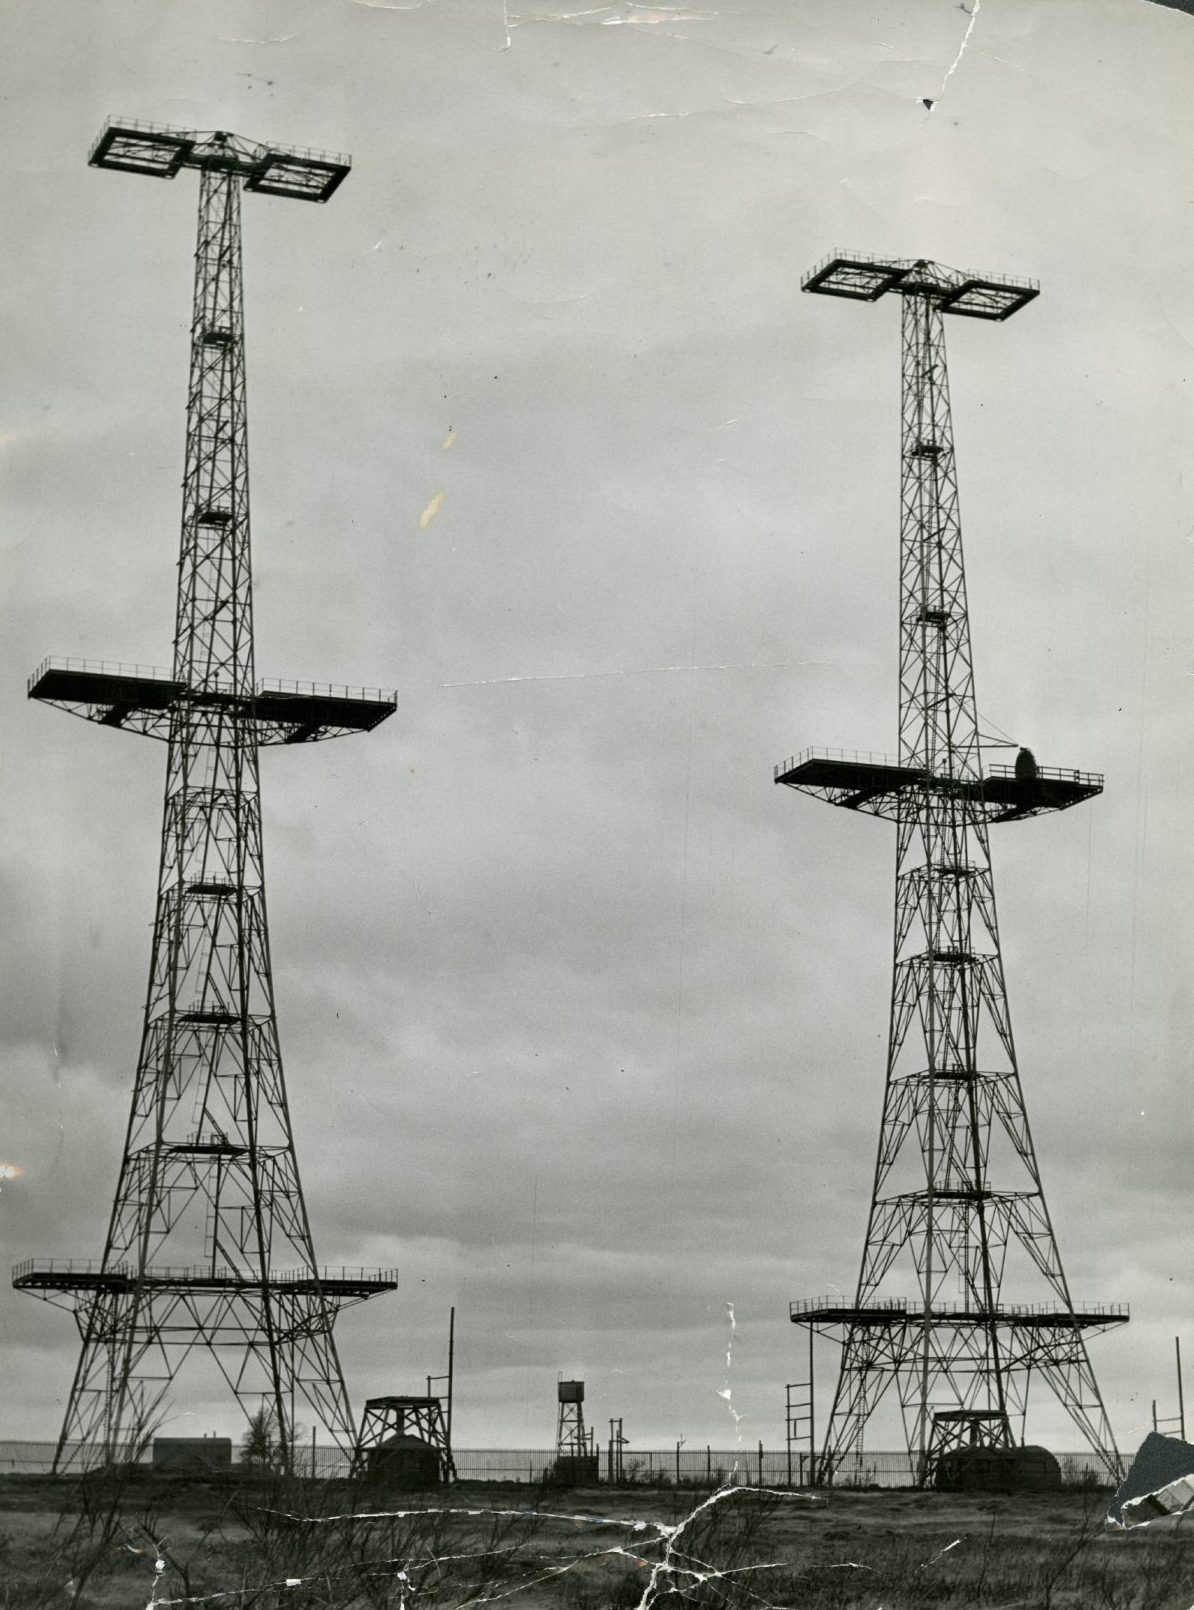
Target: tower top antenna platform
(131, 146)
(973, 296)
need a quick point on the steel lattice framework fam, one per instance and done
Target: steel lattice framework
(958, 1204)
(208, 1243)
(404, 1419)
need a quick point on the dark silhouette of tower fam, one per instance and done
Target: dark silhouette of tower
(576, 1454)
(572, 1440)
(208, 1243)
(958, 1212)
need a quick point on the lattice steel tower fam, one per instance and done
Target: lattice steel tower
(958, 1210)
(208, 1244)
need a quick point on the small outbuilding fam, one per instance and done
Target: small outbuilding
(576, 1470)
(190, 1456)
(998, 1470)
(403, 1461)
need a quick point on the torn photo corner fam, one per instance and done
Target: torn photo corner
(1159, 1482)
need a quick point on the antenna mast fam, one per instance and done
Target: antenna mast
(208, 1243)
(956, 1188)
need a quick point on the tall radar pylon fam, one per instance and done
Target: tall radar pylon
(958, 1211)
(208, 1245)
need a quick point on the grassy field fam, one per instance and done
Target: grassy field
(101, 1545)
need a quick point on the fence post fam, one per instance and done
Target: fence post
(709, 1464)
(760, 1464)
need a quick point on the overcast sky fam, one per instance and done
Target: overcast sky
(583, 1019)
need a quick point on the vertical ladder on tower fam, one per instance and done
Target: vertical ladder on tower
(800, 1425)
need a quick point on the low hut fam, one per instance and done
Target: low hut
(998, 1470)
(403, 1461)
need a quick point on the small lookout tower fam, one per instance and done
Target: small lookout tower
(576, 1455)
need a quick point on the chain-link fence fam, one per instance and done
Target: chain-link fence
(683, 1466)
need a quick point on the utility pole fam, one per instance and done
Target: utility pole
(208, 1244)
(438, 1411)
(957, 1191)
(451, 1368)
(1181, 1402)
(617, 1442)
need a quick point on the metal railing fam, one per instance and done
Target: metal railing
(155, 673)
(328, 1274)
(1057, 774)
(66, 1266)
(57, 662)
(860, 757)
(328, 690)
(997, 769)
(809, 1305)
(184, 1272)
(164, 131)
(949, 276)
(1007, 1312)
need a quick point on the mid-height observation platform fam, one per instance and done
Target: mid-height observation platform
(92, 1275)
(829, 1313)
(144, 699)
(880, 785)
